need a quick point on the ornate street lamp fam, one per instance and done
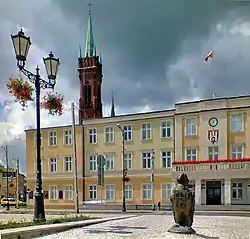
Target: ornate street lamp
(22, 45)
(124, 170)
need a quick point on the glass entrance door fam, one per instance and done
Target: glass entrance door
(213, 193)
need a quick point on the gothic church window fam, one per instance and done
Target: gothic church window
(87, 93)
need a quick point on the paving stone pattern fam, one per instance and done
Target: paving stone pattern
(155, 226)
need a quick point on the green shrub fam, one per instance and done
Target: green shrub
(25, 223)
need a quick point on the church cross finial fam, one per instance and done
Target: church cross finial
(89, 4)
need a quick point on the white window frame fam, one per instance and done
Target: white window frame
(147, 189)
(128, 160)
(213, 152)
(93, 162)
(129, 192)
(190, 155)
(166, 191)
(237, 151)
(191, 126)
(67, 137)
(237, 188)
(128, 132)
(68, 163)
(35, 139)
(93, 192)
(236, 123)
(167, 157)
(53, 192)
(52, 135)
(110, 192)
(52, 164)
(146, 156)
(166, 130)
(69, 192)
(92, 136)
(109, 162)
(146, 128)
(109, 134)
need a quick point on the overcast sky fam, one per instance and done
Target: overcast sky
(152, 52)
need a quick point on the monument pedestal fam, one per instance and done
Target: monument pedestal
(181, 230)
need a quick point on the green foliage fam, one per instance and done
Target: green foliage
(25, 223)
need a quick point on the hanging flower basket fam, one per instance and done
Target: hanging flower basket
(21, 90)
(53, 102)
(126, 179)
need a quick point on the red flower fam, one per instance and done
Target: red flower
(21, 90)
(212, 161)
(53, 103)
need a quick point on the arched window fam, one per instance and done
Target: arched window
(87, 94)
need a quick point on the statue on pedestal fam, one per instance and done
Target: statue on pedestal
(183, 203)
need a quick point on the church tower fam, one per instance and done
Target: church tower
(90, 76)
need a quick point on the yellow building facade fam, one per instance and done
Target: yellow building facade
(12, 183)
(207, 139)
(57, 165)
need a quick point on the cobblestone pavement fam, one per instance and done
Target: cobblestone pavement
(155, 226)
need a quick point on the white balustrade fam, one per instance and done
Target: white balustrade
(212, 167)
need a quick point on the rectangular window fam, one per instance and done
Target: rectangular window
(236, 123)
(52, 165)
(109, 134)
(110, 192)
(52, 138)
(92, 136)
(146, 131)
(53, 193)
(109, 162)
(67, 137)
(166, 159)
(191, 154)
(128, 191)
(92, 192)
(146, 160)
(68, 164)
(69, 192)
(92, 163)
(213, 152)
(165, 129)
(128, 160)
(35, 139)
(166, 191)
(237, 191)
(147, 191)
(127, 131)
(191, 127)
(237, 151)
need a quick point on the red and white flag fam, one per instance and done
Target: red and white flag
(209, 55)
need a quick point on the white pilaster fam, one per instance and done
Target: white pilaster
(198, 192)
(227, 190)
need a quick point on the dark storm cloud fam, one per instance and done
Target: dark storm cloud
(141, 40)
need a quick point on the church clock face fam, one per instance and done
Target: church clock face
(213, 122)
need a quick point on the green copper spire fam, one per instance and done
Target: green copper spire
(90, 44)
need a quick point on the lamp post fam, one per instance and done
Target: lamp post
(153, 178)
(124, 170)
(74, 157)
(5, 149)
(21, 44)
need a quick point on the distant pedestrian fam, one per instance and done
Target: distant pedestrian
(159, 206)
